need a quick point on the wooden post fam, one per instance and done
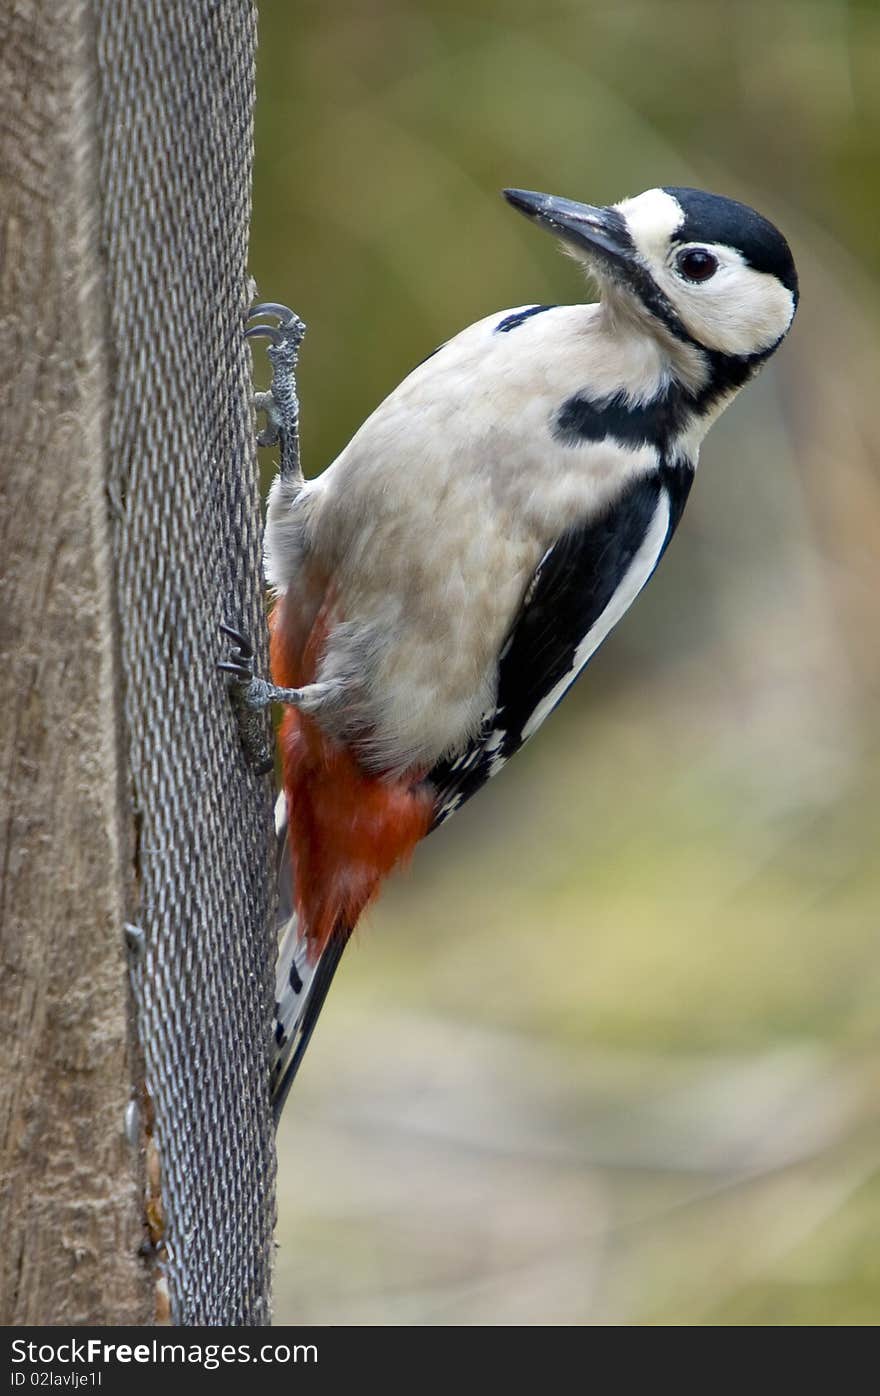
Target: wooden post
(70, 1186)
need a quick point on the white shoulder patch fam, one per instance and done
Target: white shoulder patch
(635, 577)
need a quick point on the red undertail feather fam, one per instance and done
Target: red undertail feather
(348, 829)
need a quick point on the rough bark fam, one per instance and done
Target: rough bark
(71, 1201)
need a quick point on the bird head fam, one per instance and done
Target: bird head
(706, 269)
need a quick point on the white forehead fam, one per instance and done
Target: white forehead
(652, 218)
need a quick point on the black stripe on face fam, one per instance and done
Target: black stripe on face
(707, 218)
(627, 269)
(519, 317)
(641, 283)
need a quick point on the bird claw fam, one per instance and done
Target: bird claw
(288, 333)
(248, 696)
(250, 690)
(242, 672)
(242, 644)
(240, 659)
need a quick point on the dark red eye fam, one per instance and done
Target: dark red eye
(697, 264)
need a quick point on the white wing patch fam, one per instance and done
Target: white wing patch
(635, 577)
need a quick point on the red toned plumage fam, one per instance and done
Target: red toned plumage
(348, 828)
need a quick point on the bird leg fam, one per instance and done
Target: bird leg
(250, 694)
(280, 403)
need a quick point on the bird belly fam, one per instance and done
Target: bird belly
(348, 828)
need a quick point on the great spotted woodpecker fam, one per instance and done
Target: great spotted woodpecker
(442, 584)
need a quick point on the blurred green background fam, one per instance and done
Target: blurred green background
(609, 1052)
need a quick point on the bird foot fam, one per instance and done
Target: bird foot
(280, 404)
(254, 692)
(250, 696)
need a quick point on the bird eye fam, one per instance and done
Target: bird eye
(697, 264)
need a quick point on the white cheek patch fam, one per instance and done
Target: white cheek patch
(652, 218)
(737, 311)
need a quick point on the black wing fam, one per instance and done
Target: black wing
(574, 583)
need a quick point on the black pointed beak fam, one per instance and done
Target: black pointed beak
(600, 232)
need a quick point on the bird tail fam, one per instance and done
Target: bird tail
(300, 990)
(301, 980)
(350, 829)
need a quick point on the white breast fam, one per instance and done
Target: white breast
(435, 516)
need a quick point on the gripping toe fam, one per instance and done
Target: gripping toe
(289, 330)
(241, 640)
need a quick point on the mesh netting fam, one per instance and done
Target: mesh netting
(177, 80)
